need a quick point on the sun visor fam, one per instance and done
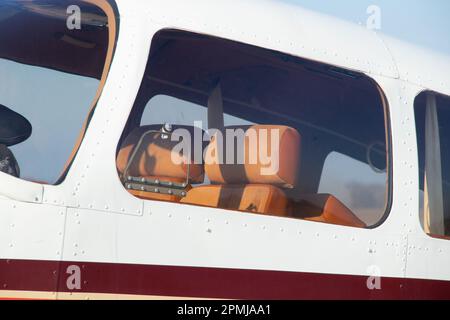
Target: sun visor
(40, 36)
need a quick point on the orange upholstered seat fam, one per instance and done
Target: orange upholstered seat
(255, 198)
(156, 159)
(255, 183)
(325, 208)
(253, 168)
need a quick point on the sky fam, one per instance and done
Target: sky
(422, 22)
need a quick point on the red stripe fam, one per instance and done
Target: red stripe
(212, 282)
(28, 274)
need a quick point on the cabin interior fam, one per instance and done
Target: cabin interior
(318, 109)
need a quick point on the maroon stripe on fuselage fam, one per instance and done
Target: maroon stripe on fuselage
(199, 282)
(29, 274)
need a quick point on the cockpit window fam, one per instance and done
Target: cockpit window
(54, 58)
(226, 125)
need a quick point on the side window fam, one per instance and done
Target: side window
(52, 68)
(226, 125)
(432, 113)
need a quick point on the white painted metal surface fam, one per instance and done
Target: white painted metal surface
(106, 224)
(31, 231)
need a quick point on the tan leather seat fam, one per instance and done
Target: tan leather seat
(251, 186)
(241, 187)
(154, 160)
(252, 198)
(325, 208)
(253, 169)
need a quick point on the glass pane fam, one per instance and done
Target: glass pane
(50, 74)
(282, 136)
(432, 113)
(356, 184)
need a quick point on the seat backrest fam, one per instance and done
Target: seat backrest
(251, 185)
(155, 156)
(152, 167)
(269, 155)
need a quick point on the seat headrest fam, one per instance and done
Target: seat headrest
(265, 154)
(154, 158)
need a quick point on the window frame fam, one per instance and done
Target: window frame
(384, 104)
(110, 10)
